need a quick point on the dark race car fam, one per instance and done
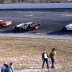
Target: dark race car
(26, 26)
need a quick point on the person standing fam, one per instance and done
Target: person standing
(52, 56)
(45, 59)
(7, 68)
(3, 68)
(11, 68)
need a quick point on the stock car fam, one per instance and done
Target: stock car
(4, 23)
(67, 27)
(26, 26)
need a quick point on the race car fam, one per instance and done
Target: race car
(4, 23)
(26, 26)
(67, 27)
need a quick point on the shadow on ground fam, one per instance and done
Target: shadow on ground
(59, 32)
(12, 31)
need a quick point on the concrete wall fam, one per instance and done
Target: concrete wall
(35, 6)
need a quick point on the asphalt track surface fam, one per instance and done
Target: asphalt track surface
(51, 21)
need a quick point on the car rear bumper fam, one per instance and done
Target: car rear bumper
(8, 23)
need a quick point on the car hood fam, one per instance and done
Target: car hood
(20, 25)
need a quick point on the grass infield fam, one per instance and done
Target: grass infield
(26, 52)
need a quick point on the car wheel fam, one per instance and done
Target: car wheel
(28, 28)
(64, 29)
(1, 26)
(15, 29)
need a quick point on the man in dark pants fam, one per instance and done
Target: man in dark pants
(45, 59)
(52, 56)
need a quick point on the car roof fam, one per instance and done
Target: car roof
(29, 23)
(69, 25)
(19, 25)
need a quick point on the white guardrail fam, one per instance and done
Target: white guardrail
(35, 6)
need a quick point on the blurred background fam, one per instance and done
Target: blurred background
(33, 1)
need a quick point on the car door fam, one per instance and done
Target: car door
(25, 26)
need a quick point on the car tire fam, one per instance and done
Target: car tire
(15, 29)
(64, 29)
(28, 28)
(1, 26)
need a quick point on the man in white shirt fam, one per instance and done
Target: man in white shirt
(45, 59)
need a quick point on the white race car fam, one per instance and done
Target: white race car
(67, 27)
(26, 26)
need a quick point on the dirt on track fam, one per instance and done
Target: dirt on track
(25, 53)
